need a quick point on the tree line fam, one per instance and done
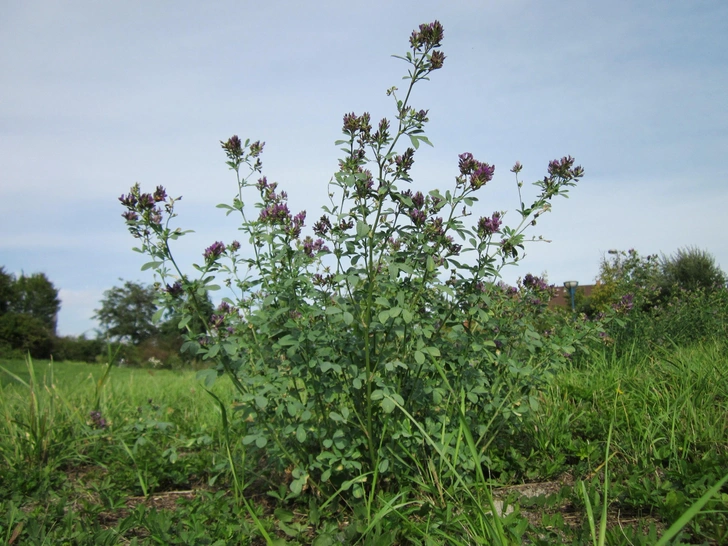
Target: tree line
(29, 307)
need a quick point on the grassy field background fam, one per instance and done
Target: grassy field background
(138, 456)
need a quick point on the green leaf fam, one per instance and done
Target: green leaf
(261, 401)
(362, 229)
(300, 434)
(348, 318)
(419, 357)
(150, 265)
(388, 405)
(383, 466)
(407, 316)
(383, 316)
(213, 351)
(157, 315)
(415, 141)
(333, 310)
(261, 442)
(430, 263)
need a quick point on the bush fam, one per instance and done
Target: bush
(77, 349)
(681, 300)
(21, 333)
(691, 269)
(360, 351)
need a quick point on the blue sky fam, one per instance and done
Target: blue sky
(95, 96)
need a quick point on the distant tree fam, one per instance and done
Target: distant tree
(7, 291)
(126, 312)
(690, 269)
(25, 334)
(36, 296)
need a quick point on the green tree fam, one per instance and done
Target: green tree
(7, 291)
(690, 269)
(36, 296)
(126, 312)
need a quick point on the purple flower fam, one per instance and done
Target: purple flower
(160, 194)
(310, 247)
(235, 246)
(537, 283)
(322, 227)
(417, 216)
(213, 251)
(97, 420)
(175, 289)
(275, 213)
(404, 163)
(130, 216)
(488, 226)
(430, 35)
(482, 175)
(418, 200)
(129, 200)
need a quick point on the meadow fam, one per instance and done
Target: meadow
(142, 456)
(378, 385)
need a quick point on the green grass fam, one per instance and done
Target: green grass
(167, 469)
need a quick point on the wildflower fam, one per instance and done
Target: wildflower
(488, 226)
(235, 246)
(417, 216)
(437, 59)
(97, 420)
(160, 194)
(404, 163)
(175, 289)
(322, 227)
(310, 247)
(130, 216)
(430, 35)
(213, 251)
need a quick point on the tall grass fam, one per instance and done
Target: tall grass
(644, 436)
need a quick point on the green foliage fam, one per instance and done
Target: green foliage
(77, 349)
(691, 269)
(21, 334)
(126, 312)
(680, 300)
(28, 314)
(350, 349)
(36, 296)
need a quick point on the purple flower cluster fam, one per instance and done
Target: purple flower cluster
(489, 226)
(144, 206)
(418, 217)
(311, 247)
(97, 420)
(354, 124)
(480, 173)
(322, 227)
(535, 283)
(213, 251)
(174, 290)
(625, 304)
(404, 163)
(429, 35)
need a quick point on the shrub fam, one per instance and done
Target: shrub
(354, 348)
(691, 269)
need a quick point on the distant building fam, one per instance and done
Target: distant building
(561, 295)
